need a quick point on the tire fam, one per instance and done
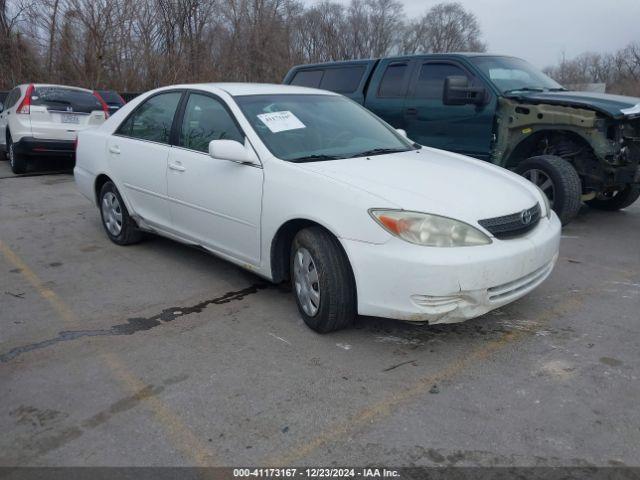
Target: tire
(119, 226)
(17, 162)
(559, 181)
(618, 200)
(333, 307)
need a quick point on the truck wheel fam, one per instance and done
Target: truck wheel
(18, 162)
(120, 227)
(322, 281)
(617, 199)
(558, 180)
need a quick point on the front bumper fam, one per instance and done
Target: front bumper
(447, 285)
(36, 146)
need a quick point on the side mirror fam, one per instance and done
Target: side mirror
(402, 132)
(458, 92)
(233, 151)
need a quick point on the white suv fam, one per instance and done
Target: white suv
(39, 119)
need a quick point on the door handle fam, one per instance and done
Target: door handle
(114, 149)
(176, 167)
(411, 111)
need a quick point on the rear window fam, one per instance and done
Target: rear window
(393, 81)
(65, 99)
(111, 97)
(342, 80)
(307, 78)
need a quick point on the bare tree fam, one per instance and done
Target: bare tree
(620, 71)
(446, 27)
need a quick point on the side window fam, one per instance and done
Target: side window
(307, 78)
(206, 119)
(12, 98)
(393, 81)
(153, 119)
(430, 84)
(342, 80)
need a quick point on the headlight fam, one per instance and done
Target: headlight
(429, 230)
(547, 205)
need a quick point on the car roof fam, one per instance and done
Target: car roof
(366, 61)
(240, 89)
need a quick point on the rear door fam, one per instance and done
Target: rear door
(138, 154)
(465, 129)
(388, 90)
(58, 113)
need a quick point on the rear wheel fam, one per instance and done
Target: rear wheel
(322, 281)
(120, 227)
(616, 199)
(17, 161)
(558, 180)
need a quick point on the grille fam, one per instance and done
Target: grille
(513, 225)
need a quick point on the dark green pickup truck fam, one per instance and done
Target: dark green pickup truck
(576, 146)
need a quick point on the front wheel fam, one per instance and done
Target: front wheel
(616, 199)
(120, 227)
(558, 180)
(322, 281)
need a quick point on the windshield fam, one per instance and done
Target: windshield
(300, 128)
(513, 74)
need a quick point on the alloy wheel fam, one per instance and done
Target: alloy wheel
(12, 156)
(543, 181)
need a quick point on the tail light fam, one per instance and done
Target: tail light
(25, 106)
(122, 100)
(105, 107)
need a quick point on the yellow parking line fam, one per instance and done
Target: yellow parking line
(384, 407)
(58, 305)
(182, 437)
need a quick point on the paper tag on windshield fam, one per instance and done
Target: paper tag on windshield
(281, 121)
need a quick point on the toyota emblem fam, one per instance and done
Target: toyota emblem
(525, 217)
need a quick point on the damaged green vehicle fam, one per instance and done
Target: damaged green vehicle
(576, 146)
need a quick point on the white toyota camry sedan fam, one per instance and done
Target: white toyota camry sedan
(305, 185)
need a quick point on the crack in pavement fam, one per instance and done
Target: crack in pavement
(136, 324)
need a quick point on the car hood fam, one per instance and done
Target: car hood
(615, 106)
(434, 181)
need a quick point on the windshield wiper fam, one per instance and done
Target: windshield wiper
(378, 151)
(314, 158)
(524, 89)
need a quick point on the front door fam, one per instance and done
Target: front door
(465, 129)
(216, 203)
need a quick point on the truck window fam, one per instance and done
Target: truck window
(430, 82)
(393, 81)
(307, 78)
(342, 80)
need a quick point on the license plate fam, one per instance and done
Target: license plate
(66, 118)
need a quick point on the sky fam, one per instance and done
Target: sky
(541, 30)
